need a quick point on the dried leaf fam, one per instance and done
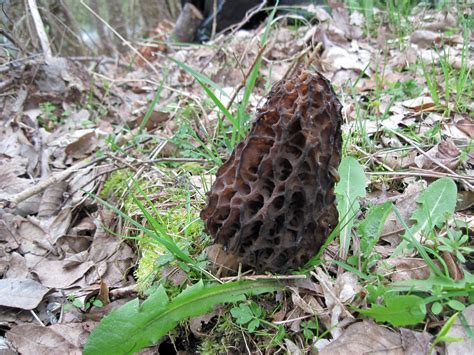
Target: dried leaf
(445, 153)
(363, 338)
(424, 38)
(466, 126)
(83, 146)
(21, 293)
(35, 339)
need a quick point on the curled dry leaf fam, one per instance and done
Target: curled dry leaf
(364, 338)
(467, 126)
(83, 146)
(441, 22)
(406, 204)
(332, 298)
(408, 269)
(424, 38)
(445, 152)
(421, 103)
(398, 160)
(52, 198)
(415, 342)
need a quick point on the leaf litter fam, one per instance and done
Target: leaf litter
(59, 245)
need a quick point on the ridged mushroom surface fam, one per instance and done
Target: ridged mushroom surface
(272, 204)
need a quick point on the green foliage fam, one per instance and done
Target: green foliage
(436, 204)
(454, 244)
(398, 310)
(310, 329)
(443, 334)
(370, 229)
(158, 233)
(49, 118)
(247, 314)
(77, 303)
(351, 186)
(440, 289)
(135, 326)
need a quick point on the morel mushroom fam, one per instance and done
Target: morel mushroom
(272, 203)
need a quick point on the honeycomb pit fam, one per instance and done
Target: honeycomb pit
(272, 204)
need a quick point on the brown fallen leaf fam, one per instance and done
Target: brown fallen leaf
(83, 146)
(408, 269)
(406, 204)
(196, 323)
(441, 22)
(467, 126)
(17, 268)
(421, 103)
(397, 160)
(445, 152)
(365, 337)
(21, 293)
(52, 198)
(55, 273)
(36, 339)
(424, 38)
(415, 342)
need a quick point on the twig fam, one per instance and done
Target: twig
(124, 41)
(37, 318)
(372, 157)
(11, 202)
(43, 37)
(433, 174)
(264, 277)
(244, 80)
(427, 156)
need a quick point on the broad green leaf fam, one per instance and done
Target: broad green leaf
(351, 186)
(436, 204)
(133, 326)
(371, 228)
(398, 310)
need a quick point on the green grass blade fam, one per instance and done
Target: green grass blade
(168, 243)
(149, 112)
(198, 76)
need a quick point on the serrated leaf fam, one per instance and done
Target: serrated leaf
(351, 186)
(133, 326)
(398, 310)
(436, 204)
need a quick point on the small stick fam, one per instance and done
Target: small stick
(37, 318)
(426, 155)
(43, 38)
(13, 201)
(244, 80)
(433, 174)
(264, 277)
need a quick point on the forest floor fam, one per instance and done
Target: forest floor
(105, 165)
